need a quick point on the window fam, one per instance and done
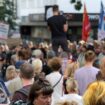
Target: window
(79, 31)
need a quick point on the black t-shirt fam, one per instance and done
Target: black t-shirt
(56, 24)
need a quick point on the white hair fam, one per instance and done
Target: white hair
(37, 53)
(37, 64)
(11, 72)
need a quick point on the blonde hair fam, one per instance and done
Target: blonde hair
(95, 94)
(102, 66)
(66, 103)
(11, 72)
(71, 68)
(71, 85)
(37, 65)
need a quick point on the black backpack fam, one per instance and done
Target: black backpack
(24, 92)
(19, 102)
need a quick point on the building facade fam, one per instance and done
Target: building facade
(26, 7)
(33, 25)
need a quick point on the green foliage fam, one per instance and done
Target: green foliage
(7, 13)
(77, 4)
(72, 1)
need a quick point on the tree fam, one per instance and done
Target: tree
(77, 4)
(7, 12)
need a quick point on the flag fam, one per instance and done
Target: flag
(101, 26)
(86, 25)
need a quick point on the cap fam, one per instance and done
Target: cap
(18, 64)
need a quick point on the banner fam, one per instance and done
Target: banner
(101, 26)
(4, 28)
(86, 25)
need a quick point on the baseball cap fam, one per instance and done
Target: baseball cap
(18, 64)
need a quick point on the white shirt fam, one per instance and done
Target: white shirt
(72, 97)
(53, 78)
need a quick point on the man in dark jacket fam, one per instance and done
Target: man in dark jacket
(58, 26)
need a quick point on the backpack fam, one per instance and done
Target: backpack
(3, 97)
(24, 93)
(19, 102)
(3, 94)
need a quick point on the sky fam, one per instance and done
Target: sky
(92, 6)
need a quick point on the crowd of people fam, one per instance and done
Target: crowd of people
(36, 75)
(56, 73)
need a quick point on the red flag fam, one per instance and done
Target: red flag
(86, 25)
